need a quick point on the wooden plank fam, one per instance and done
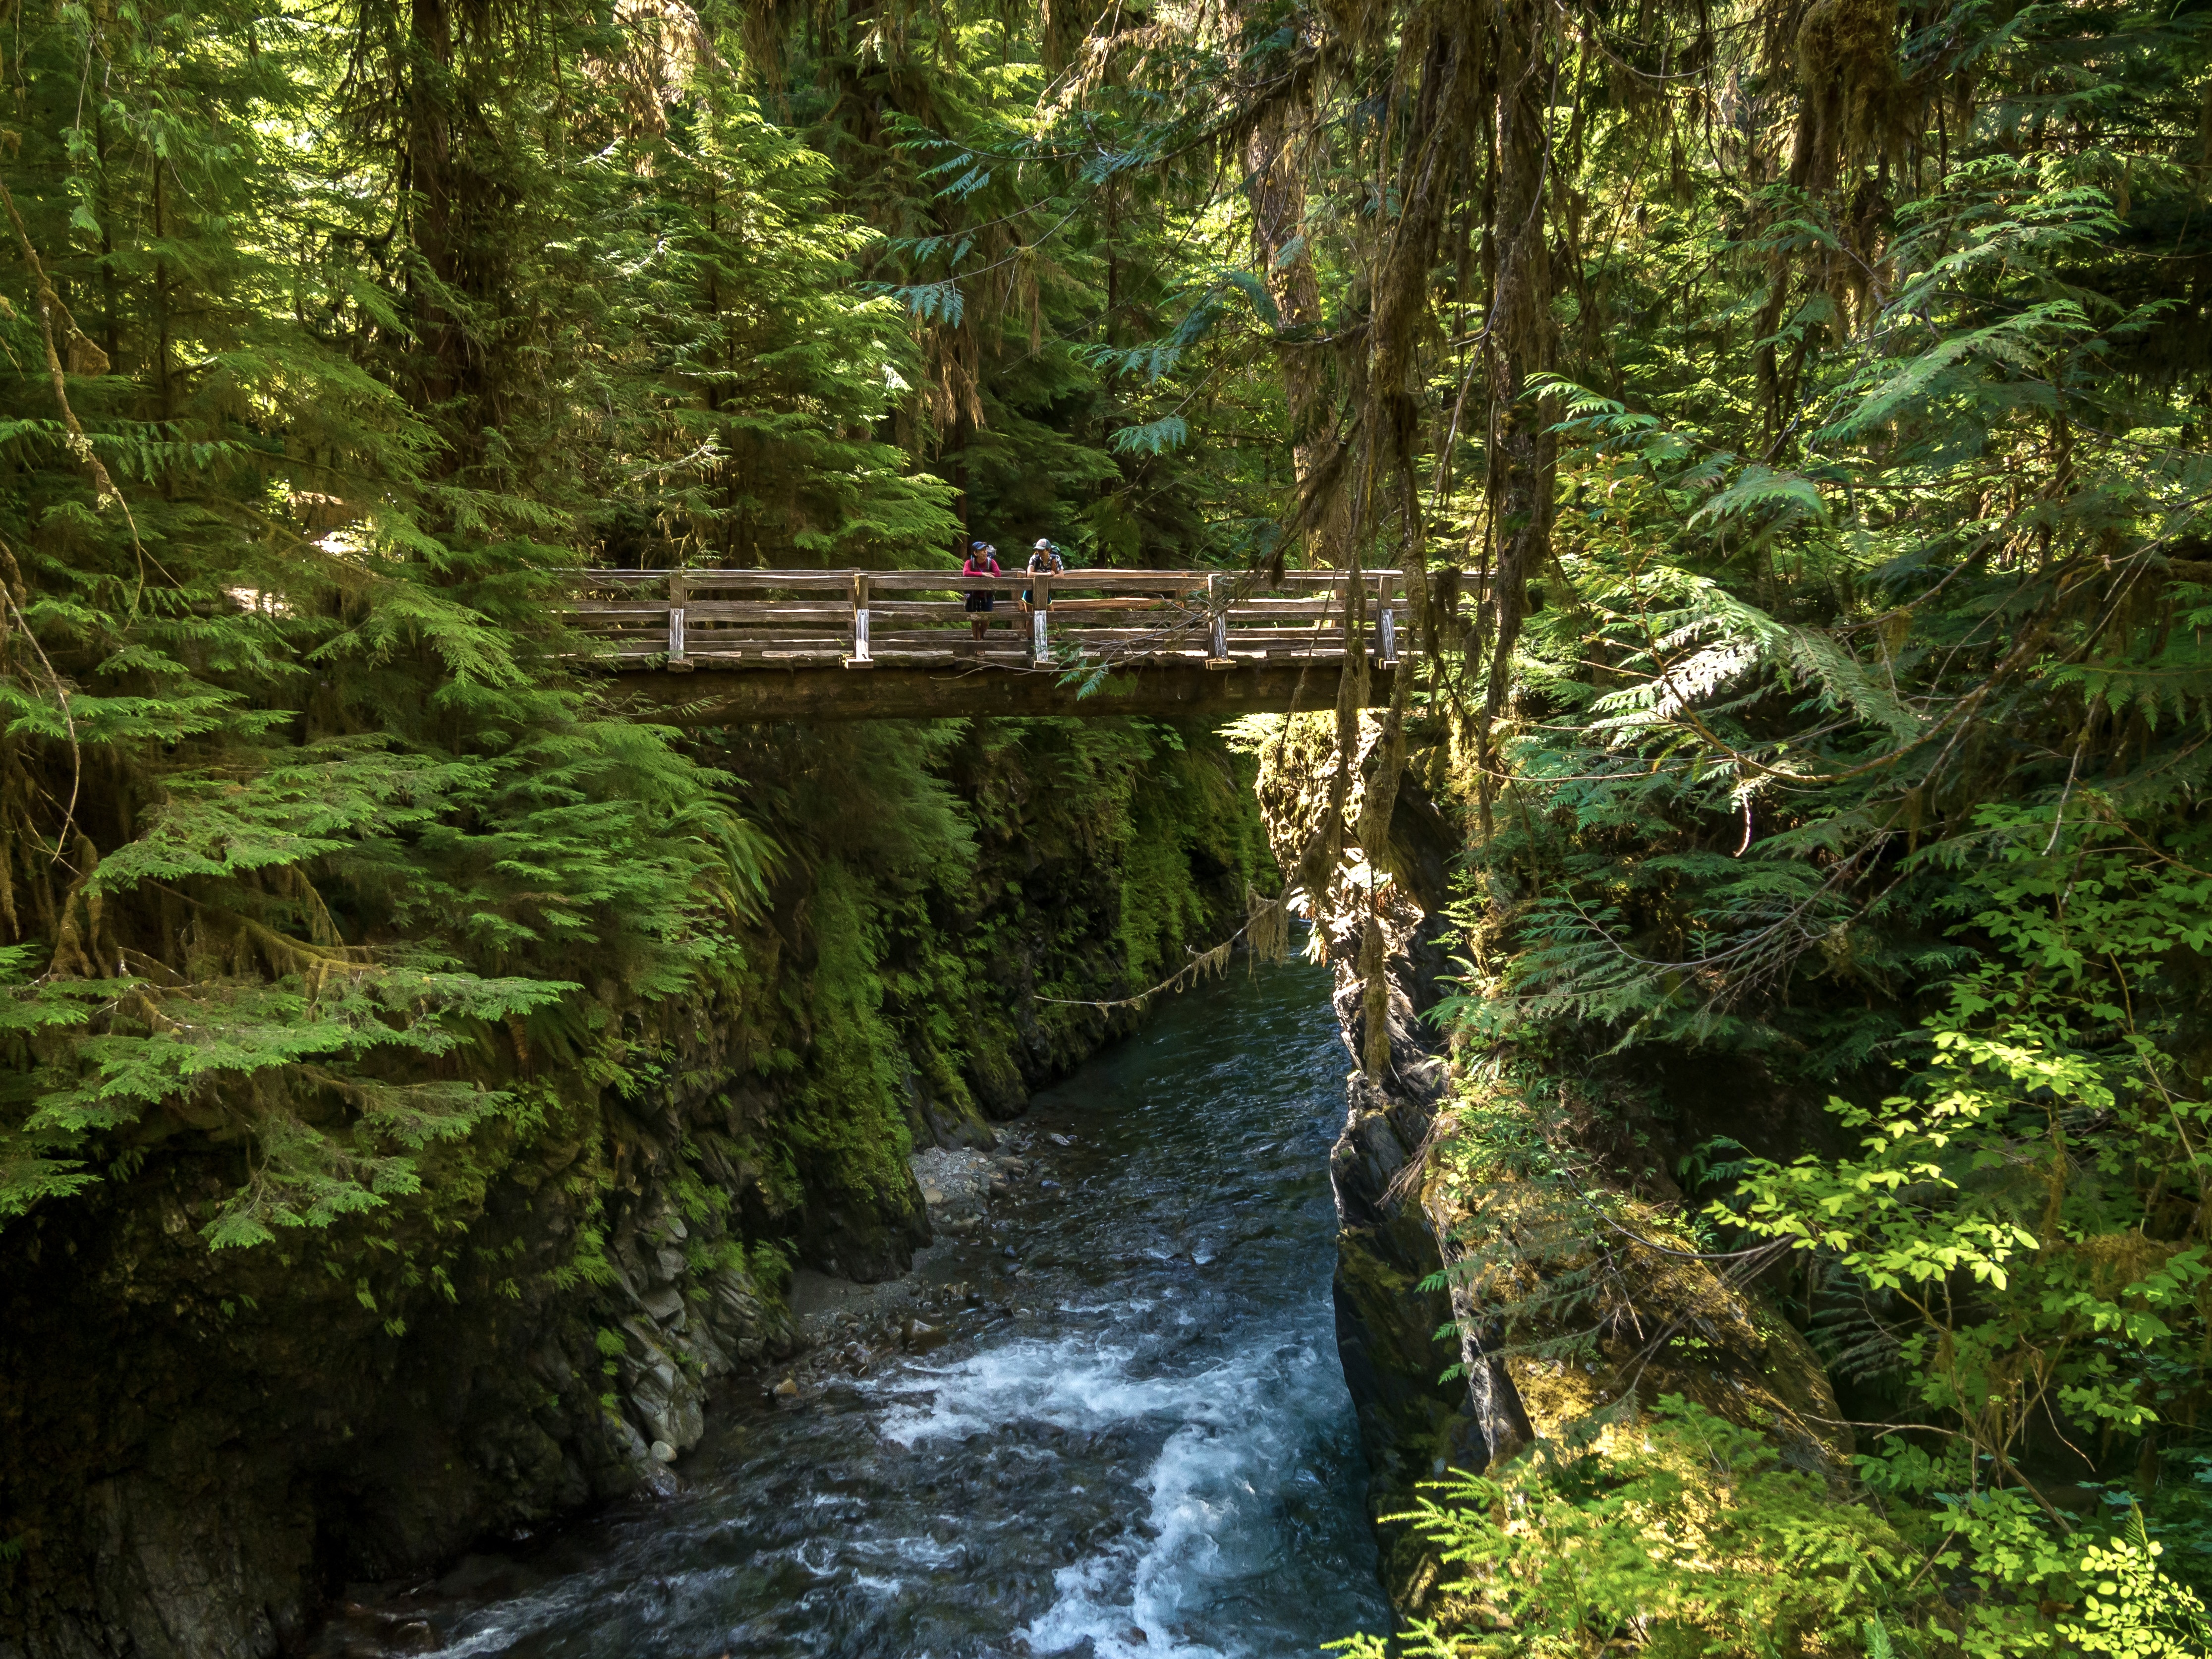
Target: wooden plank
(1100, 581)
(1196, 630)
(892, 637)
(768, 610)
(996, 656)
(741, 625)
(1318, 591)
(936, 582)
(1166, 627)
(1122, 647)
(1078, 606)
(739, 640)
(811, 581)
(1190, 583)
(1003, 627)
(952, 608)
(891, 608)
(1118, 648)
(840, 615)
(762, 662)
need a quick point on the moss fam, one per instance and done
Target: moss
(1600, 1329)
(850, 1127)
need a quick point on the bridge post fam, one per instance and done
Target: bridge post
(1040, 602)
(1217, 633)
(676, 594)
(860, 659)
(1386, 638)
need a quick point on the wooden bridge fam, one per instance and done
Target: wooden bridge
(712, 647)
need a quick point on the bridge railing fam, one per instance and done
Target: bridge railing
(685, 619)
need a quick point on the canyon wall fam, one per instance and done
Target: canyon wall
(1440, 1240)
(198, 1447)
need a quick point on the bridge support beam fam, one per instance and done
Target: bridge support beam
(888, 692)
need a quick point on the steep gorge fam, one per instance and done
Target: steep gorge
(197, 1446)
(1439, 1240)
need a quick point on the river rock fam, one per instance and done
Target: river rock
(663, 1452)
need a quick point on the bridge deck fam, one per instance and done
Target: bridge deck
(778, 644)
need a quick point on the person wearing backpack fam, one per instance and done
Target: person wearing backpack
(983, 561)
(1044, 561)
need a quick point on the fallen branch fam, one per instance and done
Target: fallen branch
(1266, 920)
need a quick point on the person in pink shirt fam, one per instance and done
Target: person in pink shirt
(983, 561)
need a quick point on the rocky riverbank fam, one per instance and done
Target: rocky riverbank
(1394, 1329)
(1437, 1386)
(843, 1328)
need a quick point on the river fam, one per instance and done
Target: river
(1138, 1443)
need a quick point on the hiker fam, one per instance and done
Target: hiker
(1044, 561)
(983, 561)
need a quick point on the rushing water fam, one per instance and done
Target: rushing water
(1154, 1455)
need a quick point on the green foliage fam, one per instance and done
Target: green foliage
(1853, 753)
(311, 847)
(1680, 1529)
(1088, 339)
(2015, 1207)
(2131, 1610)
(1683, 1530)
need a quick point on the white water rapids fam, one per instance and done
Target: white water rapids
(1156, 1459)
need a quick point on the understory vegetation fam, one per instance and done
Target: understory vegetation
(1791, 418)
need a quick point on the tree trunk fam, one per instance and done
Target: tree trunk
(430, 182)
(1277, 185)
(1523, 454)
